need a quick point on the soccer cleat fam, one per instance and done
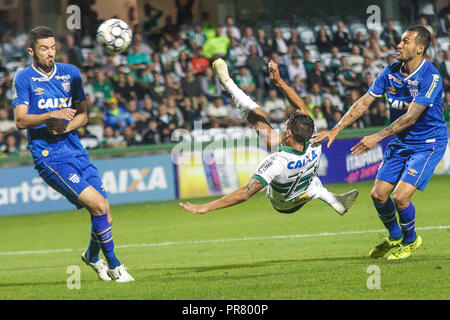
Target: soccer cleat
(384, 247)
(99, 267)
(120, 274)
(344, 201)
(404, 251)
(220, 67)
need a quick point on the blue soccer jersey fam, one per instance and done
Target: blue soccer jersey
(423, 86)
(45, 93)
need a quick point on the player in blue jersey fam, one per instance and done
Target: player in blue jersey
(49, 101)
(413, 87)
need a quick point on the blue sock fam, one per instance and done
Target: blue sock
(93, 248)
(386, 213)
(407, 221)
(102, 231)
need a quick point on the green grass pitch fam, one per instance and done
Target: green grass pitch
(244, 252)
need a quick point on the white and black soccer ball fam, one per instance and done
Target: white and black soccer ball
(114, 35)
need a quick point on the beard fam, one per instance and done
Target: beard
(45, 67)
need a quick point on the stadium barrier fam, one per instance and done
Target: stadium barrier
(182, 171)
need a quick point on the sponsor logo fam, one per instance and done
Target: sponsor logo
(355, 162)
(74, 178)
(38, 91)
(412, 172)
(396, 80)
(398, 104)
(392, 90)
(42, 79)
(302, 162)
(413, 83)
(64, 77)
(66, 86)
(432, 86)
(54, 103)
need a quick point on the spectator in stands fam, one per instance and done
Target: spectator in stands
(130, 136)
(73, 51)
(112, 139)
(135, 89)
(173, 88)
(257, 67)
(316, 96)
(121, 89)
(295, 41)
(299, 86)
(197, 36)
(446, 106)
(139, 119)
(249, 40)
(170, 30)
(424, 22)
(217, 113)
(279, 45)
(158, 88)
(234, 116)
(296, 69)
(335, 61)
(115, 116)
(190, 113)
(341, 38)
(320, 123)
(229, 25)
(360, 40)
(378, 115)
(152, 135)
(263, 42)
(174, 111)
(148, 108)
(284, 73)
(323, 41)
(139, 63)
(236, 55)
(318, 76)
(216, 46)
(274, 107)
(245, 81)
(346, 76)
(337, 116)
(164, 117)
(367, 82)
(182, 65)
(6, 124)
(390, 36)
(211, 88)
(373, 50)
(369, 68)
(307, 62)
(192, 88)
(444, 69)
(356, 60)
(103, 88)
(328, 109)
(334, 97)
(199, 63)
(12, 146)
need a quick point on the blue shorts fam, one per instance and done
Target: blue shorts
(71, 176)
(413, 164)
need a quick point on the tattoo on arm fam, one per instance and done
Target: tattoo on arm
(356, 111)
(405, 121)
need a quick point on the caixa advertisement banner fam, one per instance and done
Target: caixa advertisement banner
(126, 180)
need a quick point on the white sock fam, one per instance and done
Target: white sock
(239, 96)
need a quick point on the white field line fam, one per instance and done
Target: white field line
(172, 243)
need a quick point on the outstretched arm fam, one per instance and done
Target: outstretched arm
(237, 196)
(292, 96)
(403, 122)
(353, 114)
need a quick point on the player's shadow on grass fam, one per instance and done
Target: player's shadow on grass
(27, 284)
(199, 269)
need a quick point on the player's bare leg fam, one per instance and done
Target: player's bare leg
(249, 109)
(101, 238)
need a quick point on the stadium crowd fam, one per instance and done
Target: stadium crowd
(164, 81)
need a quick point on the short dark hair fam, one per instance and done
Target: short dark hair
(37, 33)
(301, 125)
(423, 35)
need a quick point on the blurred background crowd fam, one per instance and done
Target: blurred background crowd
(164, 81)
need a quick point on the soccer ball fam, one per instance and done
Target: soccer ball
(114, 35)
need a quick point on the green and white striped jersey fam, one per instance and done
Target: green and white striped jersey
(288, 175)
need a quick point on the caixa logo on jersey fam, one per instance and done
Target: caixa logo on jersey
(131, 180)
(54, 103)
(398, 104)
